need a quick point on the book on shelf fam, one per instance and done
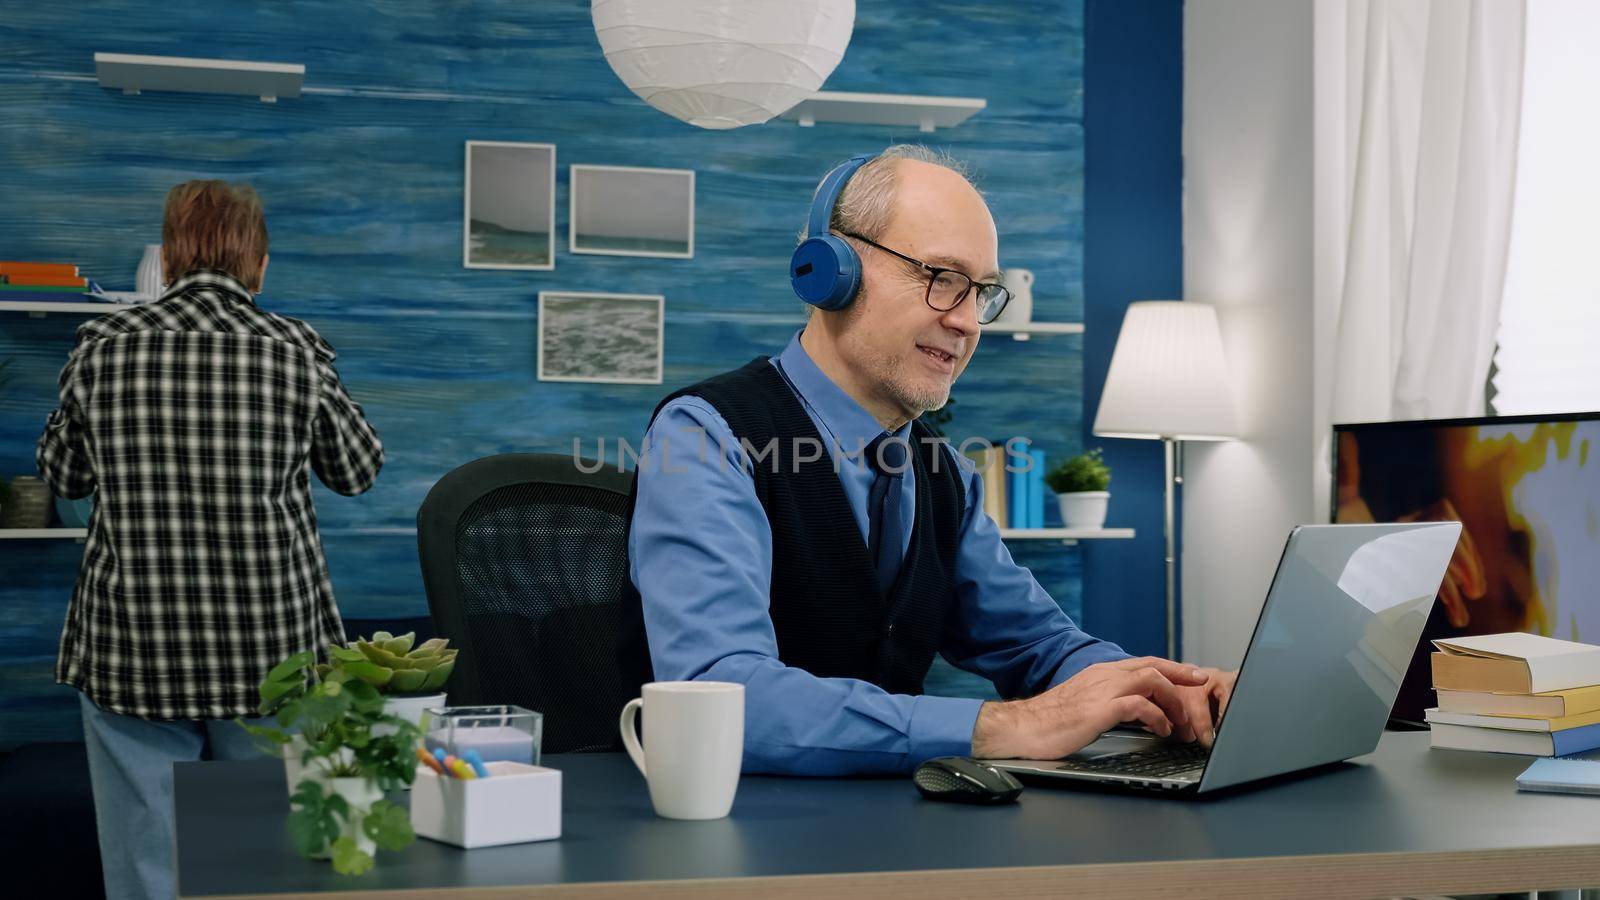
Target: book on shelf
(1513, 663)
(8, 288)
(17, 267)
(1547, 705)
(47, 297)
(1561, 776)
(1512, 723)
(1036, 489)
(1013, 483)
(990, 463)
(70, 281)
(1017, 462)
(1504, 740)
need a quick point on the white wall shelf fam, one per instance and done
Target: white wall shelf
(37, 308)
(925, 113)
(44, 533)
(1023, 331)
(1066, 535)
(132, 73)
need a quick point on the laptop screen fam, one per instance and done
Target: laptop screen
(1346, 606)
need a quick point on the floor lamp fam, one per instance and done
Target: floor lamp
(1168, 381)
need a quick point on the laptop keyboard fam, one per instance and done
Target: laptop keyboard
(1153, 762)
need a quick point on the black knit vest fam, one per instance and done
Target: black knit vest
(827, 611)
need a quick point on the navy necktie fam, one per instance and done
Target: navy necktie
(887, 455)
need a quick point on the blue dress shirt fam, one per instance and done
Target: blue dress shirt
(700, 553)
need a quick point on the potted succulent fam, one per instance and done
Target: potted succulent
(410, 678)
(1081, 483)
(350, 752)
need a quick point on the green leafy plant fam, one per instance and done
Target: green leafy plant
(316, 825)
(346, 734)
(1084, 472)
(392, 666)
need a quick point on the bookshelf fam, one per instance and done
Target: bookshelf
(1024, 331)
(906, 110)
(132, 73)
(38, 308)
(1067, 536)
(38, 534)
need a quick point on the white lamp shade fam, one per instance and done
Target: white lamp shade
(1168, 378)
(723, 63)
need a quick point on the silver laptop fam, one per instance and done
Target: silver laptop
(1341, 621)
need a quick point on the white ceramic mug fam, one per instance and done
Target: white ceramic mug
(693, 745)
(1020, 310)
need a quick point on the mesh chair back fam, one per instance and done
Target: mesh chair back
(524, 557)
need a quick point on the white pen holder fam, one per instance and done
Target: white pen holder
(517, 803)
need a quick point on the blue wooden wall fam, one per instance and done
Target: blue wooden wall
(1133, 67)
(362, 182)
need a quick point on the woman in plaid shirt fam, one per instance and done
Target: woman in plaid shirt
(194, 420)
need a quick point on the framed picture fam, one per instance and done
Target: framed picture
(608, 338)
(509, 220)
(624, 211)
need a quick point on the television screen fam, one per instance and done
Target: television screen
(1527, 492)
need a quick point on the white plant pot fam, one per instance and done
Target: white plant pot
(412, 709)
(360, 793)
(293, 768)
(1084, 509)
(294, 771)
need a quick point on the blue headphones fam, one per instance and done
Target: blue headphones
(825, 269)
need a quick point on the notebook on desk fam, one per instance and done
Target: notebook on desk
(1562, 776)
(1342, 618)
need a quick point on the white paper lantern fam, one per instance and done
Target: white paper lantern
(723, 63)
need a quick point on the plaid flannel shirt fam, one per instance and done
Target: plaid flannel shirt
(194, 419)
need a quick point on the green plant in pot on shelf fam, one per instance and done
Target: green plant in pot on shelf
(1081, 484)
(350, 752)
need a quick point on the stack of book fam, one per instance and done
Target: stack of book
(1516, 693)
(41, 281)
(1013, 483)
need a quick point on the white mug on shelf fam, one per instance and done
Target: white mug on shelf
(1020, 310)
(693, 745)
(148, 279)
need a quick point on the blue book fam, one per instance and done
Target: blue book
(1565, 742)
(1562, 776)
(48, 296)
(1036, 490)
(1017, 487)
(1575, 740)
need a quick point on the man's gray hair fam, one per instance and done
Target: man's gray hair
(867, 203)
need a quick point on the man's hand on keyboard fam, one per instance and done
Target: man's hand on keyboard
(1204, 704)
(1064, 719)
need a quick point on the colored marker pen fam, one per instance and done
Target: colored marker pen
(475, 760)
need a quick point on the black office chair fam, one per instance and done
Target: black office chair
(523, 558)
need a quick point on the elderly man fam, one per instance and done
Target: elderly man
(796, 530)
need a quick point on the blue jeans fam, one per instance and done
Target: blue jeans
(130, 767)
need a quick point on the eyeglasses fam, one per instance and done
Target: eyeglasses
(947, 287)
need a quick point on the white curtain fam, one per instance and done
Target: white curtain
(1547, 361)
(1433, 93)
